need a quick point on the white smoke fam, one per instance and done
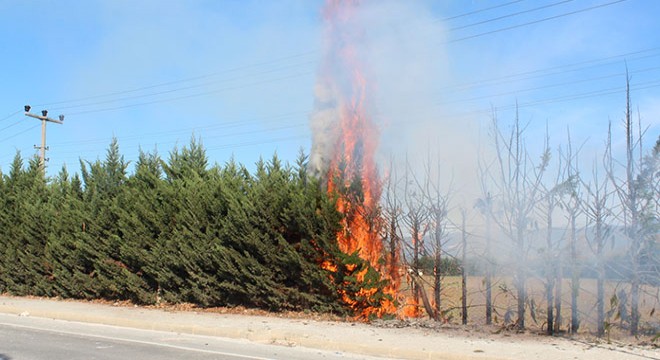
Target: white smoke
(399, 46)
(325, 129)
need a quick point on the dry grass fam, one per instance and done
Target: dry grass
(505, 300)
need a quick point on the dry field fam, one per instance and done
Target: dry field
(505, 300)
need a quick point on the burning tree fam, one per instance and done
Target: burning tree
(343, 153)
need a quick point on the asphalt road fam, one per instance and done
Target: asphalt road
(27, 338)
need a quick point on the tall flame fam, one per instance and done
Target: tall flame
(344, 148)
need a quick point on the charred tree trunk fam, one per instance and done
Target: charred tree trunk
(489, 273)
(464, 307)
(415, 234)
(600, 283)
(393, 250)
(521, 280)
(416, 280)
(437, 266)
(558, 294)
(437, 282)
(550, 273)
(575, 279)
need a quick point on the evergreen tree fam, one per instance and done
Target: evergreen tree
(28, 221)
(103, 238)
(140, 212)
(185, 252)
(66, 241)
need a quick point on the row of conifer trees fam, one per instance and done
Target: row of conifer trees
(175, 231)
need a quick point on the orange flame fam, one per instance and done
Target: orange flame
(411, 309)
(353, 173)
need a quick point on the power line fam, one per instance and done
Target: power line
(20, 133)
(8, 126)
(10, 115)
(555, 85)
(523, 75)
(578, 96)
(223, 126)
(189, 79)
(558, 99)
(480, 10)
(534, 22)
(169, 91)
(510, 15)
(185, 96)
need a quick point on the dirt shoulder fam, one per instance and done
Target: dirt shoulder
(385, 339)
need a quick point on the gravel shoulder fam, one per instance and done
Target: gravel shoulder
(380, 339)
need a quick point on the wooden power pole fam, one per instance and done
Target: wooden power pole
(44, 119)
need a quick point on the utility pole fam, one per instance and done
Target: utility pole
(44, 119)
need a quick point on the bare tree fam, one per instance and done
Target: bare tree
(438, 203)
(629, 190)
(518, 184)
(485, 207)
(391, 238)
(570, 198)
(597, 210)
(419, 213)
(415, 217)
(552, 259)
(464, 307)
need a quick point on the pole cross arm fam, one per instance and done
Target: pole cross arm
(44, 118)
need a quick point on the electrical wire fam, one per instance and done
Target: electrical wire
(169, 91)
(223, 126)
(186, 96)
(511, 15)
(20, 133)
(534, 22)
(559, 99)
(480, 10)
(194, 78)
(563, 98)
(567, 83)
(10, 115)
(576, 67)
(12, 125)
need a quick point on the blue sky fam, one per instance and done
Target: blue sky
(241, 74)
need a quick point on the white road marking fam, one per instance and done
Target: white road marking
(185, 348)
